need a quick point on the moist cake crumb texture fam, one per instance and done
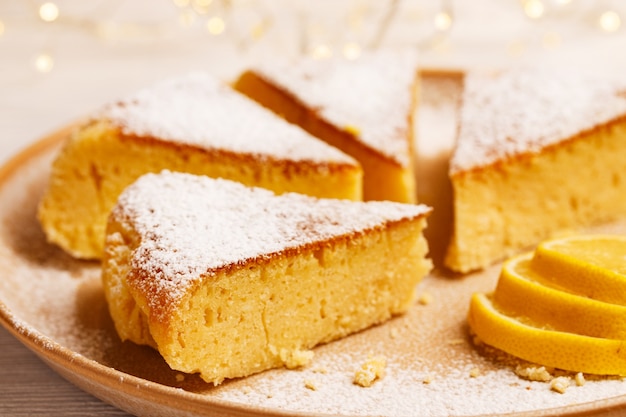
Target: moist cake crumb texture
(181, 248)
(227, 281)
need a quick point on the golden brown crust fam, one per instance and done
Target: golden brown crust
(162, 301)
(214, 154)
(526, 157)
(162, 308)
(160, 212)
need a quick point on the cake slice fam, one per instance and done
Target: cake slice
(363, 107)
(195, 124)
(538, 153)
(227, 280)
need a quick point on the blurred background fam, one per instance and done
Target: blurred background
(61, 59)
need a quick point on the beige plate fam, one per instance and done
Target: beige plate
(54, 305)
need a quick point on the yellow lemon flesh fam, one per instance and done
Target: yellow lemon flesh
(523, 293)
(592, 266)
(551, 348)
(562, 306)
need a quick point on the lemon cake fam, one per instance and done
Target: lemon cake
(192, 123)
(363, 107)
(227, 280)
(538, 153)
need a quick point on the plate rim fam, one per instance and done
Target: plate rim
(68, 363)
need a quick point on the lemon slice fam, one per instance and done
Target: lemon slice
(550, 348)
(522, 293)
(593, 266)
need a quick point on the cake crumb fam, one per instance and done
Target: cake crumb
(533, 373)
(453, 342)
(310, 384)
(579, 379)
(474, 373)
(180, 377)
(320, 370)
(372, 370)
(425, 298)
(560, 384)
(427, 379)
(393, 333)
(296, 358)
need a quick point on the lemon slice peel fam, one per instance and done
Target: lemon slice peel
(562, 350)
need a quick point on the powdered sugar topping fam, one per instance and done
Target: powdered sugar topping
(525, 110)
(197, 109)
(193, 225)
(369, 97)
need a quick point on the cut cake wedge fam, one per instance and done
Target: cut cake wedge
(193, 123)
(538, 153)
(227, 280)
(364, 107)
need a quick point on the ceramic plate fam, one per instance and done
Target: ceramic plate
(55, 305)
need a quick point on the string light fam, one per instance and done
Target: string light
(610, 21)
(321, 51)
(443, 21)
(216, 25)
(48, 12)
(351, 50)
(534, 9)
(192, 12)
(44, 63)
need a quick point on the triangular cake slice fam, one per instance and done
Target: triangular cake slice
(364, 107)
(227, 280)
(538, 153)
(193, 123)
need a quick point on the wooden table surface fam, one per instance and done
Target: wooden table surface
(28, 387)
(88, 70)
